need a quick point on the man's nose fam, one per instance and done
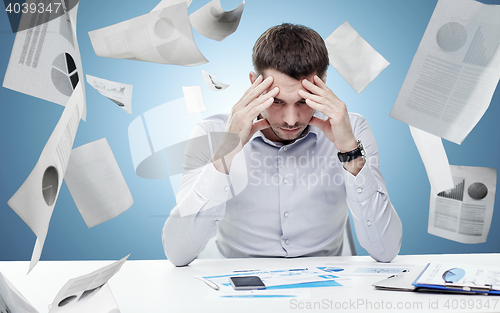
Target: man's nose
(290, 114)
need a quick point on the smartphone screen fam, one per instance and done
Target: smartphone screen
(246, 282)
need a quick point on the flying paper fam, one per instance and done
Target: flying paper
(34, 201)
(161, 36)
(355, 60)
(454, 72)
(45, 60)
(212, 82)
(464, 213)
(96, 183)
(194, 99)
(213, 22)
(119, 93)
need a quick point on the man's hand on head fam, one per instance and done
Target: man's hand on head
(337, 126)
(241, 122)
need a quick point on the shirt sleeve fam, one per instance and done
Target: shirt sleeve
(200, 203)
(378, 226)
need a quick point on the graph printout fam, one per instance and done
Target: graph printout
(464, 212)
(454, 72)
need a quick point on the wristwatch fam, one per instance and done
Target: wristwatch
(352, 155)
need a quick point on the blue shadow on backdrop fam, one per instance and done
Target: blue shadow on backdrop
(393, 27)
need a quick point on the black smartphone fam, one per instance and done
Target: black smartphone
(246, 282)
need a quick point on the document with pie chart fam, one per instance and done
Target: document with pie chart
(161, 36)
(45, 60)
(454, 72)
(464, 213)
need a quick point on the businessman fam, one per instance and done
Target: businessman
(301, 162)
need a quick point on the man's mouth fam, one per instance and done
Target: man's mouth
(290, 130)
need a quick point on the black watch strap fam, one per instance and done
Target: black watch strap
(352, 155)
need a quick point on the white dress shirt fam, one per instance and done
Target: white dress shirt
(281, 200)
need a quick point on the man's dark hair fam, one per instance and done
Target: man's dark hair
(294, 50)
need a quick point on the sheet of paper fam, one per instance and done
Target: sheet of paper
(86, 292)
(435, 160)
(34, 201)
(45, 61)
(11, 300)
(439, 274)
(119, 93)
(166, 3)
(464, 212)
(213, 22)
(96, 183)
(194, 99)
(355, 60)
(161, 36)
(212, 82)
(454, 72)
(373, 269)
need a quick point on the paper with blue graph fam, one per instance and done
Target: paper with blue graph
(464, 213)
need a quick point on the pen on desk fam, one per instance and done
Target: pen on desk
(297, 269)
(209, 283)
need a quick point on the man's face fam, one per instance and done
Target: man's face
(289, 115)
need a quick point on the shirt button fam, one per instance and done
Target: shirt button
(360, 190)
(285, 180)
(368, 223)
(287, 242)
(216, 222)
(286, 214)
(226, 188)
(285, 148)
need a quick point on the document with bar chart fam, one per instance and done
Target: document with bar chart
(464, 212)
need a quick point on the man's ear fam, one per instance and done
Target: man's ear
(324, 78)
(253, 76)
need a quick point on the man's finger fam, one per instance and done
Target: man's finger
(313, 97)
(321, 84)
(259, 90)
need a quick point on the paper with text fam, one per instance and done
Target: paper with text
(96, 183)
(433, 155)
(194, 99)
(11, 300)
(454, 72)
(355, 60)
(161, 36)
(212, 82)
(213, 22)
(119, 93)
(88, 293)
(34, 201)
(464, 213)
(45, 61)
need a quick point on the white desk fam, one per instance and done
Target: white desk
(158, 286)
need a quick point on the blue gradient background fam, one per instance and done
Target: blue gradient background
(393, 27)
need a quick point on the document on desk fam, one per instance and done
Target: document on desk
(354, 58)
(464, 213)
(460, 277)
(34, 201)
(161, 36)
(45, 60)
(454, 72)
(119, 93)
(212, 82)
(96, 183)
(88, 293)
(213, 22)
(11, 300)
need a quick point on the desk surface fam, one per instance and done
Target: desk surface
(157, 286)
